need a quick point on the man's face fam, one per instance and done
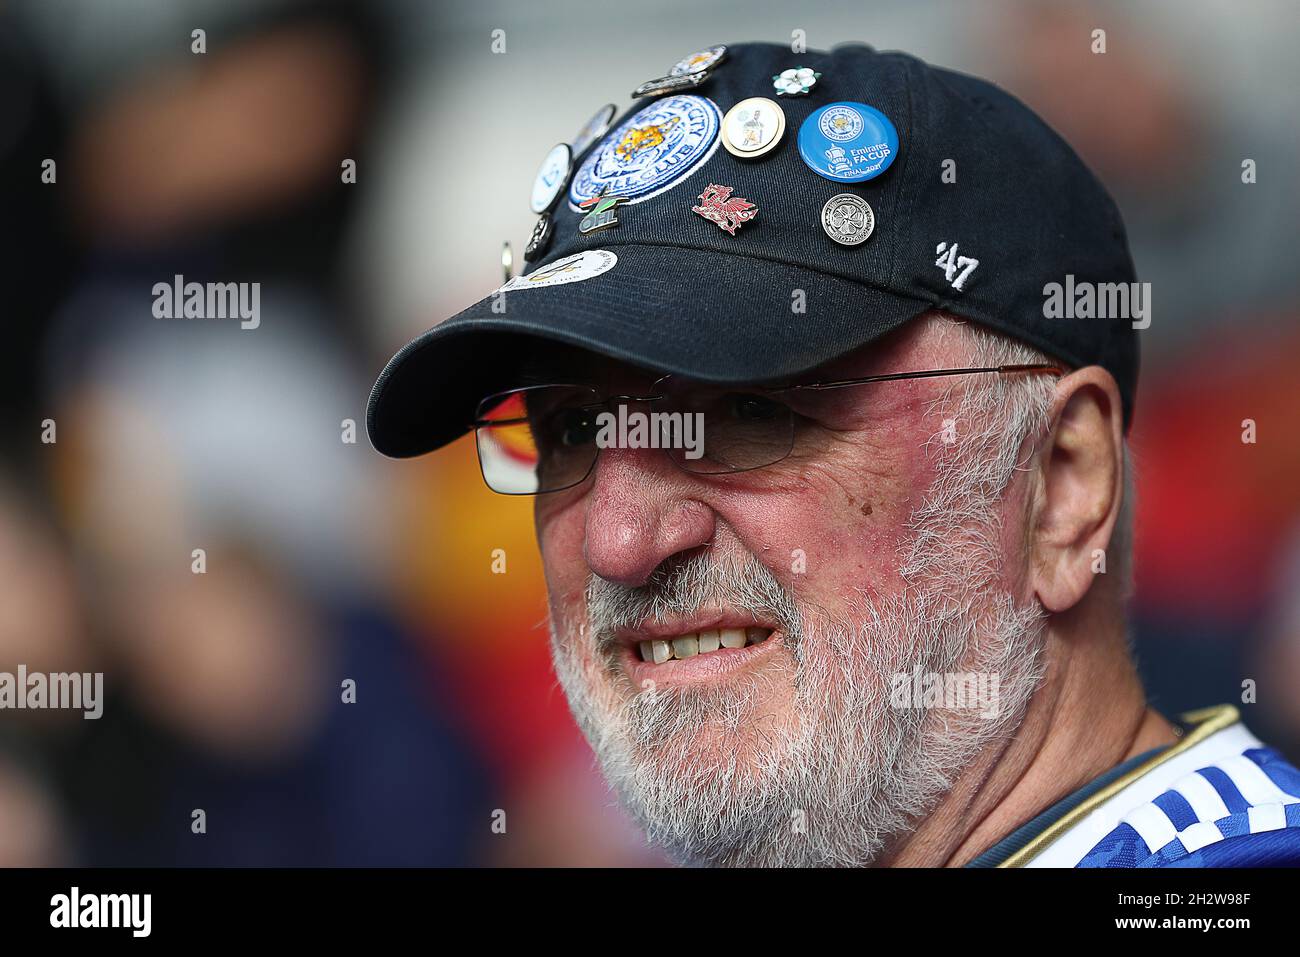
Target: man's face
(791, 597)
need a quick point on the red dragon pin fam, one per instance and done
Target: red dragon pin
(717, 206)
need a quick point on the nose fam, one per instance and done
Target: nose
(640, 513)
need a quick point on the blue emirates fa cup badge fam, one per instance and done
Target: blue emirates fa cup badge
(650, 152)
(848, 142)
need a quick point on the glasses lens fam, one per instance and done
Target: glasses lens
(735, 432)
(537, 439)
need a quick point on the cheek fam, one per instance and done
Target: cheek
(559, 527)
(1015, 542)
(833, 532)
(856, 546)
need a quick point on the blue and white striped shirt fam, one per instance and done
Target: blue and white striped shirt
(1217, 798)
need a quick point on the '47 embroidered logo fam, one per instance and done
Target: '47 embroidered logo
(956, 269)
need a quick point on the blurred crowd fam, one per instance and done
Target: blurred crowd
(325, 564)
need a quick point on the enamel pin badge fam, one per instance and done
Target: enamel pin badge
(718, 206)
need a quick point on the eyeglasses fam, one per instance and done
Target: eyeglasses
(546, 438)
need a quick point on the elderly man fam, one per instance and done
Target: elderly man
(827, 433)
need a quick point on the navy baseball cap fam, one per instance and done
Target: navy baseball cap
(699, 254)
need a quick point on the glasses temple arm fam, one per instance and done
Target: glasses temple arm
(928, 374)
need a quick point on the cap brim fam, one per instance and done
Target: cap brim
(715, 317)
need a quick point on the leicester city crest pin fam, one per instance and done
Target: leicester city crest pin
(651, 151)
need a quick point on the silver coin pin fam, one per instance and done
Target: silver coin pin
(848, 219)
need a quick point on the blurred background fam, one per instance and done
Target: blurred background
(327, 563)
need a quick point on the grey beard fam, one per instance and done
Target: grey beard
(852, 771)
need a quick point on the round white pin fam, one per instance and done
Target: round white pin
(753, 127)
(596, 127)
(551, 178)
(705, 59)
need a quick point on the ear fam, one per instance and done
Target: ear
(1080, 487)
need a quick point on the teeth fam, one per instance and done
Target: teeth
(688, 646)
(732, 637)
